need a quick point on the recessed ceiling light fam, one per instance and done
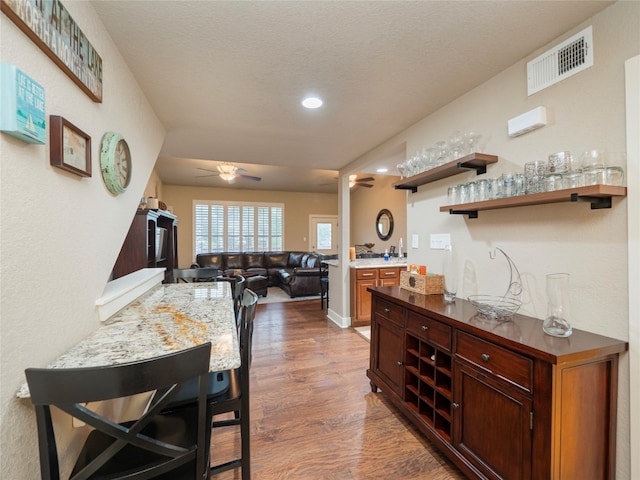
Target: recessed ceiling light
(382, 170)
(312, 102)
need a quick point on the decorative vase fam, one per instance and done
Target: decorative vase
(450, 273)
(557, 321)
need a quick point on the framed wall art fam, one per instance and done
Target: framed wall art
(70, 147)
(22, 102)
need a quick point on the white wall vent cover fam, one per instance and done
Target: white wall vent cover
(564, 60)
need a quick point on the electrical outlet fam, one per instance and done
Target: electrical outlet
(440, 241)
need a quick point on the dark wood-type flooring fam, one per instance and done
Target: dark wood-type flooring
(314, 416)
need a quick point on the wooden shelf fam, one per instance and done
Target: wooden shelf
(599, 196)
(473, 161)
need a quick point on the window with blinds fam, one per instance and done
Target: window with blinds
(237, 227)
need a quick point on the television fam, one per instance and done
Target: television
(162, 237)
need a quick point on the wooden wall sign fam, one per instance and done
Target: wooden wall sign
(50, 26)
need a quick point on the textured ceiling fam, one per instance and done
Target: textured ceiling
(226, 77)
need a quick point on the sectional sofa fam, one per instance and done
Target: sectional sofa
(297, 273)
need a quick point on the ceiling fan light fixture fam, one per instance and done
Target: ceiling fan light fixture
(312, 102)
(352, 180)
(227, 171)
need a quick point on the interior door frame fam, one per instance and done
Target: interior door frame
(632, 77)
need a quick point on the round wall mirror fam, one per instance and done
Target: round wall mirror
(384, 224)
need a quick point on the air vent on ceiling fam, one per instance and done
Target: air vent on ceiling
(564, 60)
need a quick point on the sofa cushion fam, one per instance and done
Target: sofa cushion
(210, 260)
(234, 261)
(276, 259)
(254, 260)
(295, 259)
(312, 261)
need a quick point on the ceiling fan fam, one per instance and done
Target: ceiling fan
(360, 182)
(229, 173)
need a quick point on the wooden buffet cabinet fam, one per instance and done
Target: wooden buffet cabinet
(361, 280)
(502, 400)
(140, 247)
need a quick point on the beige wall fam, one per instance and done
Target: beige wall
(365, 205)
(585, 111)
(297, 208)
(60, 233)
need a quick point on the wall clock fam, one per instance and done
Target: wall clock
(115, 162)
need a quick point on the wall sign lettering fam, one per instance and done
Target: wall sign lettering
(50, 26)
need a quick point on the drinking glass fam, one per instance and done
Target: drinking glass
(614, 176)
(573, 180)
(443, 153)
(559, 162)
(472, 140)
(482, 190)
(533, 172)
(471, 192)
(456, 145)
(453, 194)
(519, 184)
(552, 182)
(593, 160)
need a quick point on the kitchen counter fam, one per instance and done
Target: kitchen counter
(168, 318)
(377, 262)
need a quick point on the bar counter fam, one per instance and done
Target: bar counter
(166, 319)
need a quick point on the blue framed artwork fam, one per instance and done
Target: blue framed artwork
(21, 105)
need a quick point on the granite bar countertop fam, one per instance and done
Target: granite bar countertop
(168, 318)
(371, 262)
(378, 262)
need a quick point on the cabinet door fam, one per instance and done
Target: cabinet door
(388, 347)
(363, 299)
(492, 424)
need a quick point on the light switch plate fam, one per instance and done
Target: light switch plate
(440, 241)
(414, 241)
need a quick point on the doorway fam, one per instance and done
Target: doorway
(323, 234)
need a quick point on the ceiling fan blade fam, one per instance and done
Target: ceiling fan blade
(366, 179)
(210, 175)
(249, 177)
(368, 185)
(207, 170)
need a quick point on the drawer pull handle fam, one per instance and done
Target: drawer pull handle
(367, 274)
(399, 363)
(386, 310)
(455, 405)
(485, 357)
(424, 328)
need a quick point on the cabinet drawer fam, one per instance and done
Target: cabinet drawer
(430, 330)
(389, 273)
(366, 273)
(389, 310)
(497, 360)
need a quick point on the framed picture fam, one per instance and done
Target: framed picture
(70, 147)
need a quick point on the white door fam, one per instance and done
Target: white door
(323, 234)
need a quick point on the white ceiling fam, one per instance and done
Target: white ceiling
(226, 77)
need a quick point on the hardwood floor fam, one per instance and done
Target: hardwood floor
(314, 416)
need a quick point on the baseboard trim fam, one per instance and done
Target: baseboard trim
(342, 322)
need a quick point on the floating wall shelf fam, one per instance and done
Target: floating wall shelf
(473, 161)
(599, 196)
